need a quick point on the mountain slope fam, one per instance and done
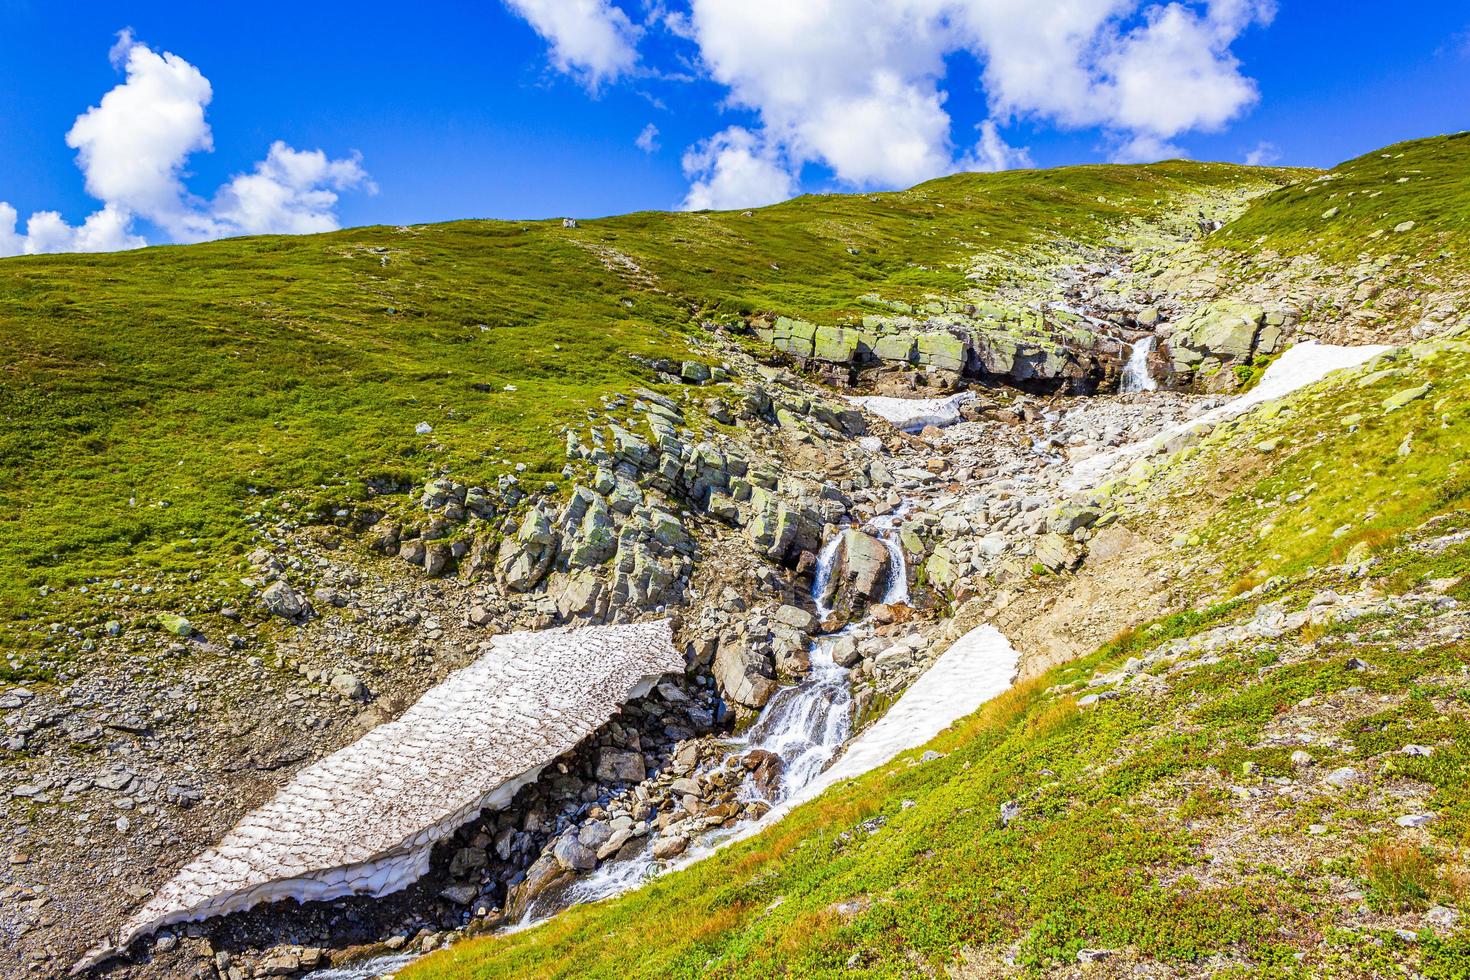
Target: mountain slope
(155, 400)
(1269, 783)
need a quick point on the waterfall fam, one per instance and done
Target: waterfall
(806, 723)
(826, 558)
(1135, 372)
(898, 569)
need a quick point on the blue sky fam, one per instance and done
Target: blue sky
(533, 108)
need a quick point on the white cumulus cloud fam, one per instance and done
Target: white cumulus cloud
(993, 153)
(1263, 155)
(132, 148)
(132, 145)
(735, 169)
(860, 86)
(291, 191)
(590, 39)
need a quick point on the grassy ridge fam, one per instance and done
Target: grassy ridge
(1131, 811)
(153, 399)
(1357, 207)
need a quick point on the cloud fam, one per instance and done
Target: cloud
(132, 148)
(106, 230)
(647, 140)
(852, 84)
(1145, 148)
(291, 192)
(735, 169)
(860, 86)
(132, 145)
(1263, 155)
(591, 40)
(993, 153)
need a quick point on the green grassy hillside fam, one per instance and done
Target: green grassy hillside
(154, 400)
(1412, 199)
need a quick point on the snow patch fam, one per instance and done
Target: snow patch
(913, 414)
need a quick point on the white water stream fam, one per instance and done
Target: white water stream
(1135, 371)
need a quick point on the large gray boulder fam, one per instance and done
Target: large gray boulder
(745, 675)
(860, 573)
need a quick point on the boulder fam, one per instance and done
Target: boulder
(1057, 553)
(859, 573)
(620, 766)
(797, 618)
(1223, 331)
(941, 351)
(765, 770)
(744, 675)
(589, 534)
(541, 876)
(281, 600)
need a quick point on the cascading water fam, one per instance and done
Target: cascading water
(898, 569)
(826, 559)
(1135, 371)
(806, 723)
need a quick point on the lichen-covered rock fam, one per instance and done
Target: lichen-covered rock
(525, 558)
(943, 352)
(1223, 331)
(589, 534)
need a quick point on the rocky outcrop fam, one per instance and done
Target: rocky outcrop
(1222, 333)
(1056, 350)
(525, 557)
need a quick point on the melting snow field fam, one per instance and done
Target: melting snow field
(912, 414)
(364, 819)
(1301, 365)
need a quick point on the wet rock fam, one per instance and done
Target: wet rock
(545, 873)
(669, 847)
(859, 575)
(573, 855)
(765, 770)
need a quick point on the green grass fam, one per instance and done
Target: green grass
(153, 401)
(1354, 208)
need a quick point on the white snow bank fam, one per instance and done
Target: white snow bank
(912, 414)
(1301, 365)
